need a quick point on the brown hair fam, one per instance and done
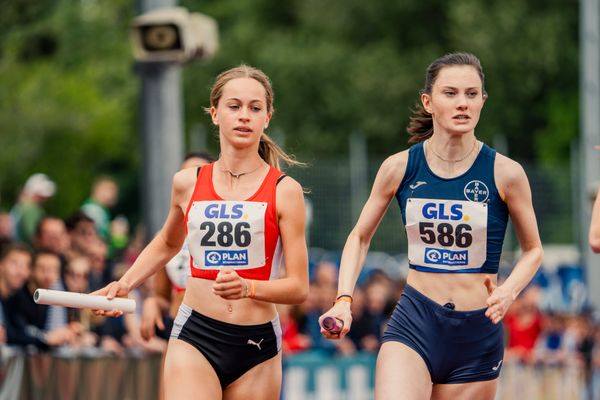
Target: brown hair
(267, 148)
(420, 126)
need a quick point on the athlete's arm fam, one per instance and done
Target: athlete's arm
(595, 225)
(293, 288)
(386, 184)
(515, 190)
(162, 248)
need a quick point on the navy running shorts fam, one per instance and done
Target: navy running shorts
(457, 346)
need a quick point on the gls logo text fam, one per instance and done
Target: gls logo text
(438, 211)
(221, 211)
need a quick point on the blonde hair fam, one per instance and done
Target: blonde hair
(267, 148)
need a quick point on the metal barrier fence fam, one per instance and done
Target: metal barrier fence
(71, 376)
(307, 376)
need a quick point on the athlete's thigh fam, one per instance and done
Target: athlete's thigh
(484, 390)
(260, 382)
(188, 374)
(401, 373)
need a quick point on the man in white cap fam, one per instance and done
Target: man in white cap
(28, 211)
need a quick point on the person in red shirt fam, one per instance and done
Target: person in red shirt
(243, 218)
(523, 324)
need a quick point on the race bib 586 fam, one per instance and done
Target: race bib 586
(446, 234)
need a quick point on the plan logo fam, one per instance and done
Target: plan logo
(225, 258)
(477, 191)
(446, 257)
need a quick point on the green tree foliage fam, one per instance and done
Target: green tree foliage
(346, 66)
(68, 97)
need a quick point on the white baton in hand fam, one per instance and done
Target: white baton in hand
(82, 300)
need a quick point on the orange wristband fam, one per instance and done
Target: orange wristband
(343, 297)
(252, 290)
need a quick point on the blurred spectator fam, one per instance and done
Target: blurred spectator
(15, 267)
(6, 227)
(82, 233)
(28, 210)
(77, 272)
(51, 234)
(48, 323)
(523, 323)
(365, 332)
(324, 297)
(550, 349)
(119, 235)
(292, 341)
(104, 196)
(378, 298)
(586, 345)
(101, 268)
(325, 274)
(594, 234)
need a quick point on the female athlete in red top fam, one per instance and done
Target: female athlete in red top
(226, 337)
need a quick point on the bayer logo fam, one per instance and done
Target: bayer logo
(477, 191)
(213, 257)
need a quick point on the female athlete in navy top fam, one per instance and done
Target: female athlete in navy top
(444, 340)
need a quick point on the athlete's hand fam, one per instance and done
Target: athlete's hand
(112, 290)
(229, 285)
(341, 311)
(500, 299)
(151, 318)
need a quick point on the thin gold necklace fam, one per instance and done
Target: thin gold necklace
(239, 174)
(452, 161)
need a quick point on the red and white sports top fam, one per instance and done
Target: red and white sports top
(243, 235)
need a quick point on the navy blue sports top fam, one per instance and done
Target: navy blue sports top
(453, 225)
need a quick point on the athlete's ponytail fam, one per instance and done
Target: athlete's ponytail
(420, 127)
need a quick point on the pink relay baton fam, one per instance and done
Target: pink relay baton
(332, 324)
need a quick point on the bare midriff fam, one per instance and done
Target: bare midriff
(465, 291)
(199, 296)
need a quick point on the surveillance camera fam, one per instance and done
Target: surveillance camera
(173, 35)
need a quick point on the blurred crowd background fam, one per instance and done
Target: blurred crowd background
(550, 327)
(346, 74)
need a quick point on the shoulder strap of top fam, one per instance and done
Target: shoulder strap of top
(280, 179)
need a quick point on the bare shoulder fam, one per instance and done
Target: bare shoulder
(289, 187)
(290, 197)
(509, 174)
(183, 184)
(392, 169)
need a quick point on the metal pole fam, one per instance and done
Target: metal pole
(359, 173)
(161, 131)
(590, 135)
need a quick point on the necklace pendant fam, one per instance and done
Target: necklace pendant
(229, 308)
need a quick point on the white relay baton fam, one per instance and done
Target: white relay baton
(82, 300)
